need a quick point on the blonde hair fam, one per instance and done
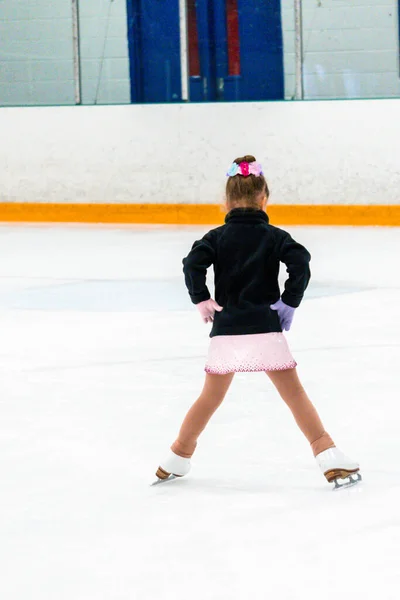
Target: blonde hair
(247, 192)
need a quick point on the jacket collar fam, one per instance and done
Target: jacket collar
(246, 215)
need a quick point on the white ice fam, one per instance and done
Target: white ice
(102, 353)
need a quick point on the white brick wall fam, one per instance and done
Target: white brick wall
(103, 27)
(36, 56)
(351, 48)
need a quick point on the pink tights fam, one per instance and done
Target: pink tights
(215, 388)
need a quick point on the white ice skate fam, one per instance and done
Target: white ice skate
(173, 466)
(338, 468)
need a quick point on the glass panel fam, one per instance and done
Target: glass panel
(129, 49)
(37, 57)
(232, 29)
(350, 49)
(36, 64)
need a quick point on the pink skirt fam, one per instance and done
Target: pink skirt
(251, 352)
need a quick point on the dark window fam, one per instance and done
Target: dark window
(193, 35)
(232, 27)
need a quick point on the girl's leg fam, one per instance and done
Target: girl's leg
(289, 387)
(214, 391)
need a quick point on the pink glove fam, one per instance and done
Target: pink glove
(207, 309)
(285, 314)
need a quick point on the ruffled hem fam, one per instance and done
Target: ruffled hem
(249, 353)
(250, 369)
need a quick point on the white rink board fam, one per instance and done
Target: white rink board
(334, 152)
(101, 355)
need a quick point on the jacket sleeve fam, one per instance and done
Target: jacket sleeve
(296, 259)
(195, 267)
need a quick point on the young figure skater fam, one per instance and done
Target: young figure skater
(248, 316)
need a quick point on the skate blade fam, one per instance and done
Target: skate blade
(164, 476)
(351, 480)
(164, 480)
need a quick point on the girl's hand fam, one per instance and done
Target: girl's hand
(285, 314)
(207, 310)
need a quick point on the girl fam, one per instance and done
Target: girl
(248, 317)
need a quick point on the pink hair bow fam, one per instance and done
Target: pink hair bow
(245, 169)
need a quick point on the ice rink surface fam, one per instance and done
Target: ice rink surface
(101, 355)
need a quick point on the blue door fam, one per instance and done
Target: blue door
(153, 38)
(235, 50)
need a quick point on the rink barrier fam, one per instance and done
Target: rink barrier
(196, 214)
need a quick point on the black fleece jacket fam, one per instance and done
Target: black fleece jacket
(246, 253)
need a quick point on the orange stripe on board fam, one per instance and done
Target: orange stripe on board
(195, 214)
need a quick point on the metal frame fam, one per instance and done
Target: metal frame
(299, 59)
(76, 51)
(184, 52)
(398, 34)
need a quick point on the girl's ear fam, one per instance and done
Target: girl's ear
(265, 202)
